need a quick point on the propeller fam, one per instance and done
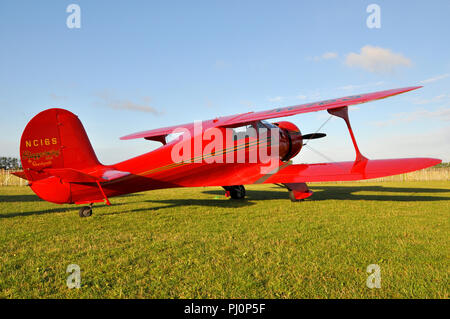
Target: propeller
(313, 136)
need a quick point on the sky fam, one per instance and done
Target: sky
(139, 65)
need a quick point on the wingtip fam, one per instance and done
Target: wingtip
(411, 88)
(127, 137)
(436, 161)
(430, 162)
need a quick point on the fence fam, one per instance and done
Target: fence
(8, 179)
(429, 174)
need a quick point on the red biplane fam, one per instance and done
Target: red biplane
(61, 166)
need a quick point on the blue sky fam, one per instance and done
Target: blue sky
(137, 65)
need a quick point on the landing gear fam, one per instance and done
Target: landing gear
(298, 191)
(292, 197)
(85, 211)
(235, 192)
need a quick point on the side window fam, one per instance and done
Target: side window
(173, 136)
(244, 132)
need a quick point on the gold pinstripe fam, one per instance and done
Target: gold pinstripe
(192, 160)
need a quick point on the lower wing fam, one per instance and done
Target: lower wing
(347, 171)
(197, 175)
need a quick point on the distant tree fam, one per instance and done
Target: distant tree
(9, 163)
(443, 165)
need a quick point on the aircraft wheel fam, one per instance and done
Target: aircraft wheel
(237, 192)
(292, 197)
(85, 211)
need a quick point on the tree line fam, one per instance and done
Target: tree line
(10, 163)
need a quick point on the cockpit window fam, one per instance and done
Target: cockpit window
(173, 136)
(264, 124)
(245, 131)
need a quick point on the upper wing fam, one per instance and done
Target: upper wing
(317, 106)
(274, 113)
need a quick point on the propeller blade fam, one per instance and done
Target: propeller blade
(313, 136)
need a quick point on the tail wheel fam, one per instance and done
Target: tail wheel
(85, 211)
(237, 192)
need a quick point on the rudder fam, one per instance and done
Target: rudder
(55, 138)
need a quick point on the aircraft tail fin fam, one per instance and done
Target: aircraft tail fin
(55, 139)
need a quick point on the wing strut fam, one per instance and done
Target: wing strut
(342, 112)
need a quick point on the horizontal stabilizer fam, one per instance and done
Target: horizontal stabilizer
(75, 176)
(20, 174)
(158, 134)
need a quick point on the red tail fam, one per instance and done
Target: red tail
(53, 139)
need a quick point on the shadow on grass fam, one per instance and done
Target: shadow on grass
(73, 209)
(18, 198)
(321, 192)
(38, 212)
(35, 198)
(351, 193)
(172, 203)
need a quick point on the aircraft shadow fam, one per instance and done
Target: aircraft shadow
(351, 193)
(321, 192)
(18, 198)
(40, 212)
(172, 203)
(69, 209)
(34, 198)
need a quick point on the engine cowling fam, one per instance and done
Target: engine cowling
(291, 140)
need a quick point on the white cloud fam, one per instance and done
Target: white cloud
(313, 96)
(221, 64)
(329, 55)
(435, 143)
(108, 100)
(247, 104)
(338, 147)
(436, 78)
(209, 103)
(276, 99)
(58, 97)
(352, 87)
(377, 60)
(442, 114)
(435, 99)
(325, 56)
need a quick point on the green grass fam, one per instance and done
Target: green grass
(195, 243)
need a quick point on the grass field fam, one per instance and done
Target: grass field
(195, 243)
